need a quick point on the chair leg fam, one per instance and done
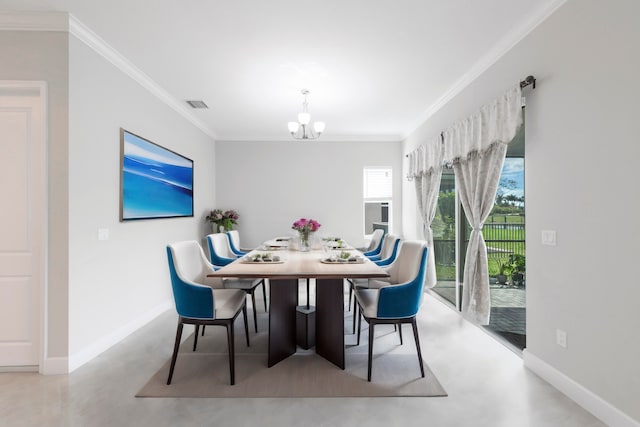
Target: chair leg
(246, 323)
(195, 337)
(232, 367)
(264, 293)
(203, 329)
(255, 314)
(400, 332)
(371, 327)
(415, 336)
(357, 313)
(174, 357)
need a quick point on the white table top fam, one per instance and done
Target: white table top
(300, 265)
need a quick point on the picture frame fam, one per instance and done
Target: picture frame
(155, 182)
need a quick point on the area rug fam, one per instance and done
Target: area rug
(205, 374)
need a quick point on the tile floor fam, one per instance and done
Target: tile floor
(508, 311)
(486, 383)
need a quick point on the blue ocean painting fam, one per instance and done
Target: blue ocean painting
(156, 183)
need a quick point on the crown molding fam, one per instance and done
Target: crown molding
(95, 42)
(59, 21)
(498, 51)
(34, 21)
(324, 138)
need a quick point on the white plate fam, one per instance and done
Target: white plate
(358, 260)
(250, 261)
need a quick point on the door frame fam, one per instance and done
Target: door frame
(39, 89)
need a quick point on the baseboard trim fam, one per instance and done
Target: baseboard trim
(83, 356)
(55, 366)
(593, 403)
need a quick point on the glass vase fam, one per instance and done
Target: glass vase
(305, 242)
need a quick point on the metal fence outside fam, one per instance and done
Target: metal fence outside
(502, 239)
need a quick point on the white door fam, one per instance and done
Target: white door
(22, 222)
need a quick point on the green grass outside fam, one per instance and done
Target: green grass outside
(511, 219)
(445, 272)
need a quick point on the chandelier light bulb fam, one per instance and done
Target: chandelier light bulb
(293, 127)
(304, 118)
(318, 127)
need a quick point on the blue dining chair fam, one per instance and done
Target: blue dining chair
(201, 300)
(217, 244)
(234, 243)
(376, 243)
(389, 250)
(219, 251)
(396, 302)
(386, 257)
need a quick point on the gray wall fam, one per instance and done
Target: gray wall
(113, 283)
(272, 184)
(44, 56)
(582, 181)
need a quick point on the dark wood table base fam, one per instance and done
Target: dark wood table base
(329, 333)
(282, 319)
(330, 320)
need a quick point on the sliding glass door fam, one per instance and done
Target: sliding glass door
(444, 239)
(504, 234)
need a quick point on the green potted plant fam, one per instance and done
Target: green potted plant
(504, 269)
(518, 266)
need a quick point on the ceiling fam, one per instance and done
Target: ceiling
(376, 69)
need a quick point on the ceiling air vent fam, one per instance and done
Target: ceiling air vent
(197, 104)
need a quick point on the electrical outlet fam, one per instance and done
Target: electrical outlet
(103, 234)
(561, 338)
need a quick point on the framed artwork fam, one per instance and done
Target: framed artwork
(155, 182)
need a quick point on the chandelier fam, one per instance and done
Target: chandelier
(301, 128)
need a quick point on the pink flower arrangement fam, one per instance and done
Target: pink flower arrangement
(306, 226)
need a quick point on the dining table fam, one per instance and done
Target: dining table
(284, 268)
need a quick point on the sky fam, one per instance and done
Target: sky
(513, 170)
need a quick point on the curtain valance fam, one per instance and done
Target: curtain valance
(496, 122)
(426, 158)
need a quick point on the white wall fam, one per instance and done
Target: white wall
(44, 56)
(271, 184)
(116, 284)
(582, 181)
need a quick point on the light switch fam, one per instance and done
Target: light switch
(561, 338)
(103, 234)
(549, 237)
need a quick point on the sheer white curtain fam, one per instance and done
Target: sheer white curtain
(425, 169)
(477, 147)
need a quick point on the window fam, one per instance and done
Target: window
(377, 198)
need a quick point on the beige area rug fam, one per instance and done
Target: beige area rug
(205, 373)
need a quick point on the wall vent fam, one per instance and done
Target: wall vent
(197, 104)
